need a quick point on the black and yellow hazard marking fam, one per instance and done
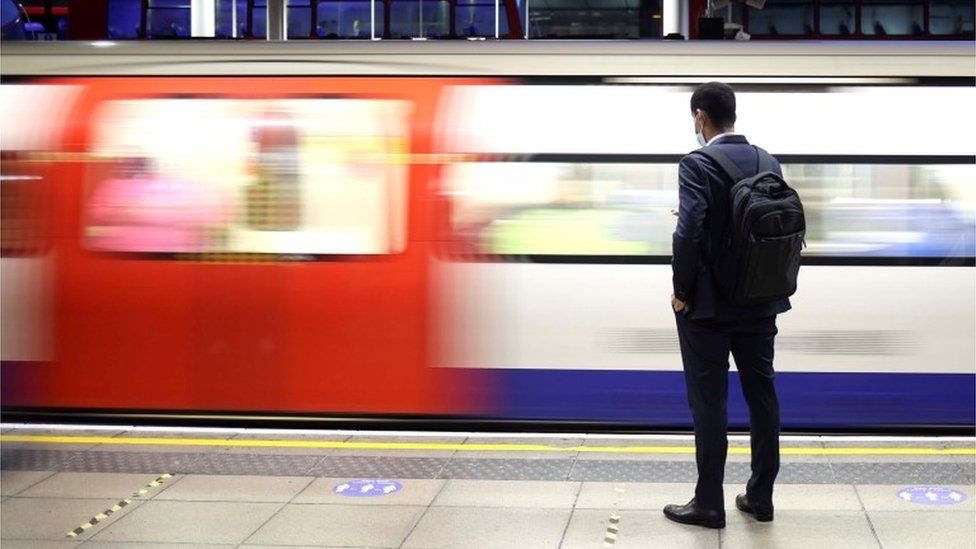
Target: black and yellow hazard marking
(613, 523)
(117, 507)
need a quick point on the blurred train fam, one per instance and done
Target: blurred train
(467, 231)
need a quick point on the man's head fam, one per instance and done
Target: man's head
(713, 109)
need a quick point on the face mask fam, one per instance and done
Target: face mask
(700, 137)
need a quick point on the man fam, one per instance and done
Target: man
(709, 326)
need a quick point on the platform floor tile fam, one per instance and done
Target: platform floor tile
(414, 492)
(800, 530)
(190, 522)
(635, 530)
(14, 482)
(902, 530)
(489, 528)
(340, 525)
(52, 518)
(508, 493)
(95, 485)
(235, 488)
(885, 498)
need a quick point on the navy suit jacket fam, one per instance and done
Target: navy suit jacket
(703, 195)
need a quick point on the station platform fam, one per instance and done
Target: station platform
(112, 487)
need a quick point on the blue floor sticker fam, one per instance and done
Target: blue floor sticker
(367, 488)
(932, 495)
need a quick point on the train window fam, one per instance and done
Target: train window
(225, 18)
(124, 19)
(583, 18)
(782, 17)
(477, 18)
(437, 18)
(348, 19)
(951, 17)
(23, 230)
(168, 19)
(413, 18)
(837, 18)
(601, 209)
(309, 176)
(299, 19)
(887, 210)
(892, 17)
(259, 20)
(509, 208)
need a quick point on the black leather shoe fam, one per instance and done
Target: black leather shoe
(762, 515)
(695, 515)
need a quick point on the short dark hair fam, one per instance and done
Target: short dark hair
(718, 102)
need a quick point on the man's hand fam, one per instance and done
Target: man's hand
(677, 304)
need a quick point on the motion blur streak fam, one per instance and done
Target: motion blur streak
(470, 246)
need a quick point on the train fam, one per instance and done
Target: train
(474, 232)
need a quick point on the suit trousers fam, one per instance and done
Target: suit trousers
(705, 348)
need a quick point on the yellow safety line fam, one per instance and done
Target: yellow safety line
(500, 447)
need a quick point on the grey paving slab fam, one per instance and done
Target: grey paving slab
(488, 528)
(898, 473)
(340, 525)
(635, 530)
(254, 464)
(13, 482)
(38, 544)
(885, 498)
(93, 485)
(189, 522)
(306, 547)
(800, 530)
(378, 467)
(632, 495)
(52, 518)
(654, 496)
(902, 530)
(508, 469)
(414, 492)
(29, 459)
(805, 497)
(508, 493)
(235, 488)
(141, 545)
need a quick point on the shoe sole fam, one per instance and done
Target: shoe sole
(716, 525)
(760, 517)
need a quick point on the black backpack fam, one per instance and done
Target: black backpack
(757, 258)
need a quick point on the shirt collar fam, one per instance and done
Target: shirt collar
(720, 136)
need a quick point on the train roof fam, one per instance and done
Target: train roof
(663, 59)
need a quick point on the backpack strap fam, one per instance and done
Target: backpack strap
(723, 162)
(764, 161)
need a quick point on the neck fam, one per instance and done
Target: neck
(710, 134)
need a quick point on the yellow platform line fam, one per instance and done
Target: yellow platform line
(500, 447)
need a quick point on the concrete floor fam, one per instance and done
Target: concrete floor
(261, 496)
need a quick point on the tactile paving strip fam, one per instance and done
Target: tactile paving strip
(35, 460)
(942, 472)
(507, 469)
(271, 465)
(131, 462)
(899, 473)
(379, 466)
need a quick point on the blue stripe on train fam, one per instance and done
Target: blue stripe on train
(807, 400)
